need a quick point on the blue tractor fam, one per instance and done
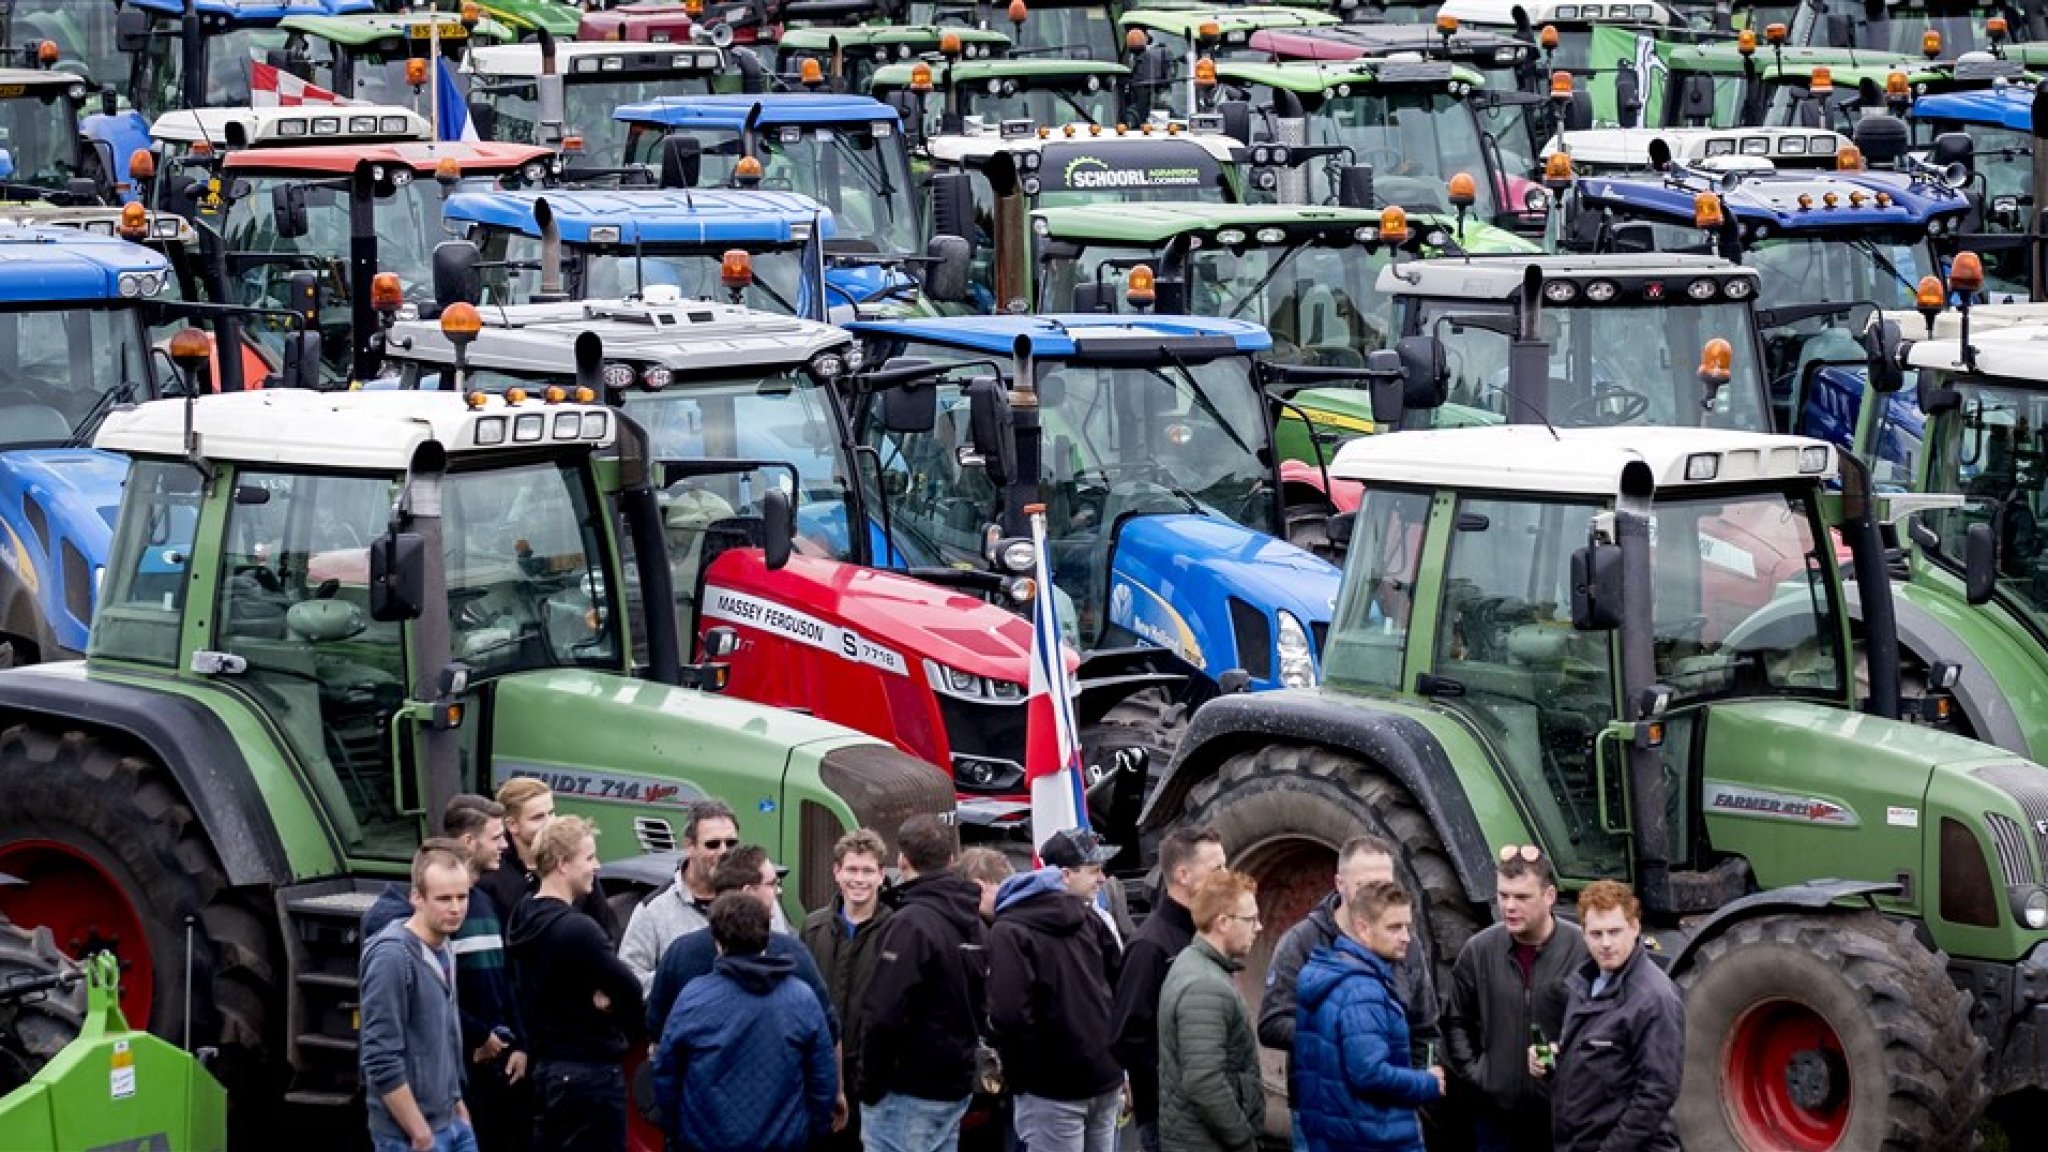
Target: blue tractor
(1992, 138)
(1149, 441)
(74, 342)
(191, 54)
(849, 153)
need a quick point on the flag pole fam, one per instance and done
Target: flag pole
(434, 68)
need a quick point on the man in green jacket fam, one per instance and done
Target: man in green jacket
(841, 938)
(1211, 1097)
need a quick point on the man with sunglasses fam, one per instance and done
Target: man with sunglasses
(683, 907)
(1508, 987)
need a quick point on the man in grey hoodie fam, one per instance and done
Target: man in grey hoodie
(411, 1042)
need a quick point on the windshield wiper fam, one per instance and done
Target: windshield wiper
(122, 393)
(1258, 290)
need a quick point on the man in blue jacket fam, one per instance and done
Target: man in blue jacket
(746, 1062)
(1352, 1076)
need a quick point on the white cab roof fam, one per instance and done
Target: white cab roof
(1630, 147)
(364, 431)
(570, 55)
(1502, 12)
(682, 335)
(245, 127)
(1569, 461)
(2012, 346)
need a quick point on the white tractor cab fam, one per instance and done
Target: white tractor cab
(563, 94)
(188, 143)
(1571, 49)
(1616, 151)
(986, 180)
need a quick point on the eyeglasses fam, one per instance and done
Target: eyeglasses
(1528, 852)
(774, 882)
(715, 845)
(1251, 919)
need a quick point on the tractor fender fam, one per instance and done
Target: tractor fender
(646, 872)
(188, 740)
(1813, 896)
(1397, 744)
(1109, 676)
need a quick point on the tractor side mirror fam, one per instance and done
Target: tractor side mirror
(910, 410)
(945, 274)
(1596, 588)
(1237, 120)
(1934, 398)
(1388, 387)
(1354, 186)
(398, 577)
(131, 30)
(952, 205)
(456, 273)
(301, 367)
(1980, 564)
(288, 210)
(778, 528)
(1696, 98)
(1412, 374)
(1093, 297)
(989, 425)
(1633, 237)
(1881, 355)
(682, 161)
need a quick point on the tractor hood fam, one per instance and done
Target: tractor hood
(854, 611)
(1209, 589)
(80, 488)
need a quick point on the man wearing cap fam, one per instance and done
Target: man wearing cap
(1052, 963)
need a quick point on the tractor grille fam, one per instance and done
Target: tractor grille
(2011, 840)
(2028, 786)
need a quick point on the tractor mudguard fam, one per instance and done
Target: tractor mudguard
(1404, 748)
(187, 739)
(1810, 897)
(1109, 676)
(1984, 703)
(647, 871)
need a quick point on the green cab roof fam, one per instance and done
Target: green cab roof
(366, 29)
(1155, 223)
(1723, 57)
(1184, 22)
(1323, 75)
(869, 35)
(1035, 72)
(558, 17)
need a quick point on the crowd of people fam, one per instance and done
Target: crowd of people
(505, 1009)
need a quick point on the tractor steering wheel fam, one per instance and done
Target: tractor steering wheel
(1607, 404)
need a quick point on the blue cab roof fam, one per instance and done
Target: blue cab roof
(48, 265)
(650, 215)
(730, 111)
(1065, 335)
(1774, 199)
(2009, 107)
(259, 11)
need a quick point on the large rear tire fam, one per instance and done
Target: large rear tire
(1807, 1033)
(36, 1027)
(116, 861)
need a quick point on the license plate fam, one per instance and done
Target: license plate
(426, 32)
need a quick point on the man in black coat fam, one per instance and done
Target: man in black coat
(1186, 855)
(920, 1021)
(1622, 1055)
(1052, 960)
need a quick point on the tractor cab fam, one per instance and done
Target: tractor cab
(206, 62)
(1147, 439)
(1580, 340)
(761, 249)
(1929, 27)
(654, 23)
(1568, 35)
(42, 154)
(1166, 46)
(350, 212)
(556, 95)
(82, 37)
(987, 180)
(1646, 151)
(1831, 248)
(940, 98)
(846, 59)
(1045, 29)
(376, 58)
(1724, 85)
(1990, 134)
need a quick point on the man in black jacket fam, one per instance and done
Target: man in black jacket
(921, 1017)
(1508, 977)
(1186, 855)
(1052, 960)
(580, 1002)
(1362, 860)
(1621, 1054)
(529, 804)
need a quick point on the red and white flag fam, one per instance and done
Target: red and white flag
(272, 87)
(1052, 752)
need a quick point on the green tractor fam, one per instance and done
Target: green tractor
(1632, 647)
(322, 616)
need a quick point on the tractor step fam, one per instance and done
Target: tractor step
(330, 1043)
(323, 939)
(329, 980)
(320, 1099)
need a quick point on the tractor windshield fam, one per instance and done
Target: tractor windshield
(1877, 268)
(84, 34)
(779, 284)
(229, 55)
(587, 106)
(1990, 451)
(861, 171)
(1073, 31)
(1614, 364)
(1896, 27)
(1743, 605)
(1047, 100)
(1416, 139)
(39, 136)
(64, 367)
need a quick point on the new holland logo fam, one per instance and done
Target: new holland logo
(1741, 800)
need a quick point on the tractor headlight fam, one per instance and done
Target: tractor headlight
(1018, 556)
(969, 686)
(1297, 663)
(2029, 905)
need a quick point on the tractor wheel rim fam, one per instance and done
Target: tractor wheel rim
(1786, 1078)
(85, 909)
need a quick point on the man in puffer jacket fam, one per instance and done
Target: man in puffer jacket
(746, 1062)
(1351, 1073)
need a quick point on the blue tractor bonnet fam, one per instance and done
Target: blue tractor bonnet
(1784, 201)
(2008, 106)
(1067, 334)
(47, 265)
(258, 11)
(653, 216)
(781, 108)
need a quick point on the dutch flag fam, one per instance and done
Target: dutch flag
(1052, 753)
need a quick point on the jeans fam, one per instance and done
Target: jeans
(582, 1106)
(1045, 1125)
(456, 1137)
(909, 1124)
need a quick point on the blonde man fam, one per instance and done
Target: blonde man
(529, 804)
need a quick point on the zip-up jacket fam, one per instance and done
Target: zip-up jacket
(1135, 1010)
(1486, 1023)
(1357, 1089)
(847, 961)
(1620, 1058)
(1319, 930)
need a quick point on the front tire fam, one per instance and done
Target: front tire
(1807, 1033)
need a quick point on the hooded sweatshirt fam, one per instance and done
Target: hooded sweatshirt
(919, 1021)
(560, 957)
(512, 882)
(1052, 963)
(746, 1062)
(1352, 1079)
(410, 1035)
